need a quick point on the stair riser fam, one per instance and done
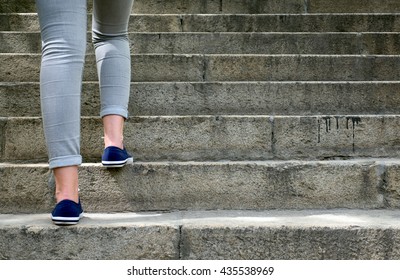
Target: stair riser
(161, 242)
(235, 23)
(282, 98)
(291, 243)
(186, 138)
(221, 138)
(114, 243)
(345, 6)
(244, 6)
(227, 43)
(210, 186)
(196, 68)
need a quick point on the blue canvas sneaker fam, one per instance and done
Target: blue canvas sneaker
(67, 212)
(115, 157)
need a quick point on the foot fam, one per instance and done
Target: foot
(67, 212)
(115, 157)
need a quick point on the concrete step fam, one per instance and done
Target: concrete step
(150, 138)
(235, 22)
(196, 68)
(247, 235)
(345, 6)
(240, 185)
(235, 6)
(232, 43)
(224, 98)
(220, 137)
(266, 7)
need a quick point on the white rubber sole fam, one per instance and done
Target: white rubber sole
(66, 220)
(115, 164)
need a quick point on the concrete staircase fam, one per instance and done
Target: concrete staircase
(262, 130)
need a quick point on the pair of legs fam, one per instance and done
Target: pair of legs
(63, 26)
(66, 178)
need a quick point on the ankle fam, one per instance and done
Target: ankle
(74, 196)
(113, 126)
(67, 183)
(118, 144)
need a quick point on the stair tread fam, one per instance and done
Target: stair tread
(309, 234)
(170, 185)
(333, 218)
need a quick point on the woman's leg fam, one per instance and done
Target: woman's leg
(63, 30)
(110, 38)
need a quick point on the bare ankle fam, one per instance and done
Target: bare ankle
(113, 131)
(66, 183)
(74, 196)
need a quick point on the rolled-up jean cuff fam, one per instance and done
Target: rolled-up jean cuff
(65, 161)
(114, 111)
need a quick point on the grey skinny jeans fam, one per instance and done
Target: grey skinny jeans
(63, 25)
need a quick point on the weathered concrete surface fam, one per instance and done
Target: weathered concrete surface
(235, 23)
(336, 235)
(345, 6)
(225, 137)
(255, 98)
(24, 140)
(198, 68)
(216, 7)
(24, 189)
(301, 68)
(23, 99)
(232, 43)
(265, 7)
(17, 6)
(2, 133)
(149, 138)
(234, 6)
(282, 23)
(224, 98)
(213, 185)
(186, 6)
(209, 185)
(119, 236)
(391, 176)
(266, 43)
(336, 136)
